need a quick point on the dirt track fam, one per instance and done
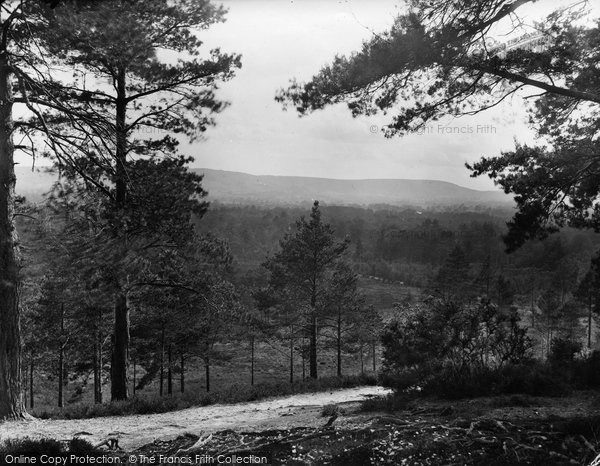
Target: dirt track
(301, 410)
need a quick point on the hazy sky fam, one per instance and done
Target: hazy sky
(281, 39)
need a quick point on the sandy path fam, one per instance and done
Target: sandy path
(135, 431)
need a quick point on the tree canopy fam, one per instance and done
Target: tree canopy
(444, 58)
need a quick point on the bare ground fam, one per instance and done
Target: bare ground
(302, 410)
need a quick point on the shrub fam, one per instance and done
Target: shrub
(330, 410)
(32, 447)
(35, 448)
(563, 351)
(453, 338)
(586, 371)
(392, 402)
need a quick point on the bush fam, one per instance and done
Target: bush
(330, 410)
(562, 352)
(37, 447)
(586, 371)
(392, 402)
(455, 338)
(533, 378)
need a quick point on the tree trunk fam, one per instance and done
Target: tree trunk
(252, 361)
(95, 368)
(31, 398)
(313, 344)
(339, 345)
(303, 359)
(589, 333)
(119, 389)
(182, 376)
(11, 400)
(162, 361)
(374, 356)
(169, 371)
(99, 359)
(362, 365)
(61, 371)
(207, 367)
(61, 357)
(292, 355)
(134, 375)
(121, 328)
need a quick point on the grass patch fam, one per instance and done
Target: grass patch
(233, 394)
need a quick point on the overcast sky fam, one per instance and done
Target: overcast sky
(282, 39)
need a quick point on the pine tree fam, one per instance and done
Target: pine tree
(342, 304)
(107, 145)
(302, 266)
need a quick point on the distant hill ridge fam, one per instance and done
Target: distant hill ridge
(242, 188)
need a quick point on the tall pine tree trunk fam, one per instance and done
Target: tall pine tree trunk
(182, 375)
(95, 368)
(252, 360)
(362, 364)
(162, 362)
(31, 397)
(99, 359)
(207, 368)
(374, 347)
(11, 400)
(61, 373)
(292, 355)
(589, 329)
(61, 358)
(118, 373)
(121, 328)
(170, 371)
(339, 345)
(313, 341)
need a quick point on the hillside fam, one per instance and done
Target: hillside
(242, 188)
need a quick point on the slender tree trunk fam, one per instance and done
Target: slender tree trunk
(169, 371)
(313, 340)
(252, 361)
(339, 345)
(292, 355)
(31, 398)
(119, 385)
(589, 333)
(121, 328)
(95, 368)
(162, 361)
(182, 375)
(99, 358)
(11, 400)
(303, 359)
(207, 368)
(362, 365)
(134, 375)
(61, 357)
(61, 371)
(374, 357)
